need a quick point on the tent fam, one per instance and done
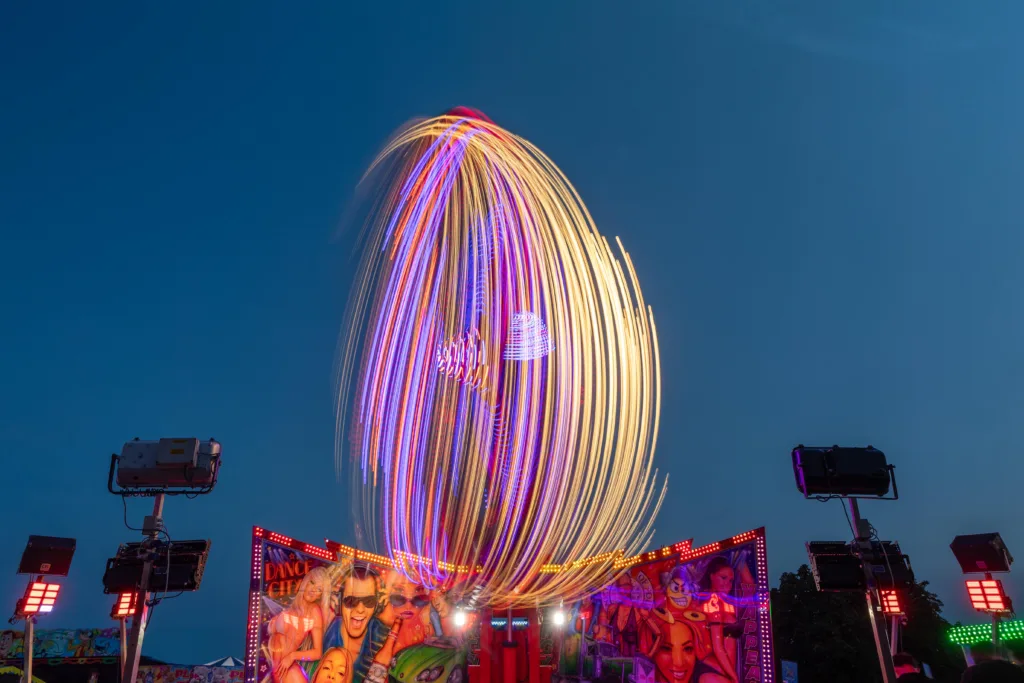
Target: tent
(230, 662)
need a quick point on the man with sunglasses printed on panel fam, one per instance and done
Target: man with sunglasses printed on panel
(356, 628)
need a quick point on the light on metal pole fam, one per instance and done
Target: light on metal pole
(124, 608)
(43, 556)
(823, 473)
(40, 598)
(156, 469)
(985, 554)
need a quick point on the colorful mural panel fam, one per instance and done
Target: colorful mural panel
(62, 643)
(677, 615)
(686, 619)
(325, 620)
(189, 674)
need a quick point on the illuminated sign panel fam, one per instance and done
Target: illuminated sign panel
(666, 616)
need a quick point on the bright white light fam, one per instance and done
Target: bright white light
(460, 618)
(558, 617)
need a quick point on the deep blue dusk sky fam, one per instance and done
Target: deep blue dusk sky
(823, 206)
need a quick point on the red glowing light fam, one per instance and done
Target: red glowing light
(39, 598)
(987, 595)
(125, 606)
(891, 603)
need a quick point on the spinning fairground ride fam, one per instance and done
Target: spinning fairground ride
(498, 410)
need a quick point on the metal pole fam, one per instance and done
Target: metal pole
(123, 621)
(30, 638)
(995, 622)
(134, 653)
(874, 609)
(583, 645)
(894, 634)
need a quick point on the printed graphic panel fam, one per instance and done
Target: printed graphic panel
(678, 615)
(345, 621)
(704, 619)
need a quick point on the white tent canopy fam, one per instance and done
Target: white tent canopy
(225, 661)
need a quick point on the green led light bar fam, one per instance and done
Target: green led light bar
(979, 633)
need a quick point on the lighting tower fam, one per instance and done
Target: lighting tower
(156, 469)
(985, 554)
(43, 556)
(866, 565)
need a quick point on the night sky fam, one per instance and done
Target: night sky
(823, 206)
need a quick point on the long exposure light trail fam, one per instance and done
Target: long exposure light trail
(499, 383)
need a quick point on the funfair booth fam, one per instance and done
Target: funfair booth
(678, 614)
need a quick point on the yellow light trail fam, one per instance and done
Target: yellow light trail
(500, 385)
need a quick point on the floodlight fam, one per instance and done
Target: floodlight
(40, 598)
(166, 465)
(177, 566)
(890, 566)
(125, 605)
(47, 556)
(558, 618)
(836, 471)
(981, 553)
(987, 596)
(891, 603)
(835, 567)
(460, 618)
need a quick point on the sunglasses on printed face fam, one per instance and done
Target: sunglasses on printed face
(400, 600)
(367, 601)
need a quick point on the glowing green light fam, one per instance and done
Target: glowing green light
(977, 633)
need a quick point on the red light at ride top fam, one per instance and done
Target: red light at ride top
(987, 596)
(891, 603)
(125, 606)
(39, 598)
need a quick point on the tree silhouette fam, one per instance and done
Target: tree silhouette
(829, 636)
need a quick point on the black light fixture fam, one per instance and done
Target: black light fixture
(177, 566)
(842, 472)
(835, 567)
(47, 556)
(891, 568)
(981, 553)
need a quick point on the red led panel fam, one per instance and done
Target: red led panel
(40, 598)
(125, 606)
(987, 595)
(891, 603)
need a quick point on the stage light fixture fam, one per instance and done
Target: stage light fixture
(460, 618)
(47, 556)
(40, 598)
(843, 472)
(890, 566)
(167, 466)
(177, 566)
(891, 603)
(835, 567)
(981, 553)
(987, 596)
(558, 618)
(125, 605)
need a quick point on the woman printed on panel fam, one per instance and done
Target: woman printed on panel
(719, 606)
(296, 634)
(408, 603)
(335, 667)
(675, 653)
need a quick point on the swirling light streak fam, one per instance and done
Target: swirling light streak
(503, 371)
